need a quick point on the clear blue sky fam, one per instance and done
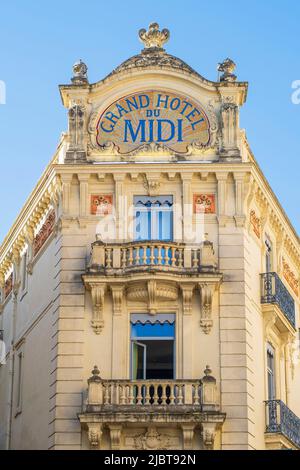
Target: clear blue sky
(40, 41)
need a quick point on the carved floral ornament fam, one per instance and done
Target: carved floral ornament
(204, 204)
(290, 277)
(101, 204)
(255, 223)
(35, 213)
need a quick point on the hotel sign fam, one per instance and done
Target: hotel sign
(153, 117)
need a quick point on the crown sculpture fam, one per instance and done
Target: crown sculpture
(153, 38)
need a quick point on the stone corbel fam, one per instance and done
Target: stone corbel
(187, 435)
(94, 435)
(117, 297)
(206, 295)
(152, 184)
(16, 259)
(115, 431)
(208, 435)
(239, 217)
(151, 287)
(187, 297)
(97, 291)
(288, 350)
(269, 322)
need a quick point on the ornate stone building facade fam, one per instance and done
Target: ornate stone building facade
(151, 247)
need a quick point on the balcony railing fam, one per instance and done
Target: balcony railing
(142, 394)
(139, 255)
(280, 419)
(273, 291)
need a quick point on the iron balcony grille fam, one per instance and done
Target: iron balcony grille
(273, 291)
(280, 419)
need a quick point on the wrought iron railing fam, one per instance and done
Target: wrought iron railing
(280, 419)
(273, 291)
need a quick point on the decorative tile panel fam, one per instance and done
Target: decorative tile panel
(255, 222)
(204, 203)
(290, 277)
(8, 286)
(44, 233)
(101, 204)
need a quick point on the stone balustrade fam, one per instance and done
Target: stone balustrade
(139, 393)
(169, 256)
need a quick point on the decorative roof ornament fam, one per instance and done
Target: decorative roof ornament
(80, 73)
(154, 38)
(227, 67)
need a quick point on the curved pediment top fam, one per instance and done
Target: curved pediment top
(154, 59)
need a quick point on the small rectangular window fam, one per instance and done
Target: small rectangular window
(271, 372)
(24, 272)
(19, 382)
(269, 255)
(152, 346)
(153, 218)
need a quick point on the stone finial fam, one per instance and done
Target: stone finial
(80, 73)
(95, 375)
(207, 375)
(153, 38)
(227, 67)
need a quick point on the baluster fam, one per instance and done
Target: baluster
(108, 258)
(164, 394)
(123, 394)
(166, 258)
(124, 257)
(173, 257)
(155, 394)
(180, 394)
(147, 395)
(159, 257)
(130, 258)
(117, 393)
(139, 395)
(144, 254)
(195, 258)
(180, 257)
(106, 394)
(172, 394)
(152, 257)
(196, 399)
(131, 397)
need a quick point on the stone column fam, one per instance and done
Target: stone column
(83, 192)
(120, 207)
(187, 206)
(239, 200)
(66, 192)
(222, 194)
(187, 330)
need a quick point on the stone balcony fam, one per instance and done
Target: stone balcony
(152, 272)
(184, 404)
(277, 302)
(282, 426)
